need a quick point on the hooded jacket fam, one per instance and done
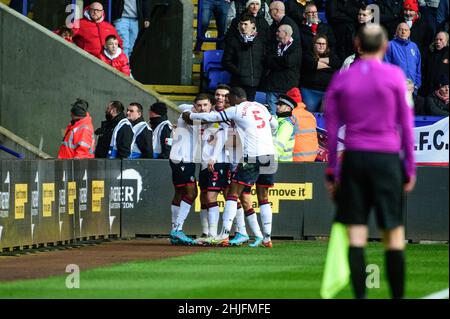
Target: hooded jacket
(91, 36)
(406, 55)
(78, 141)
(119, 61)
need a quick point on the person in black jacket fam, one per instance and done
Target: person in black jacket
(311, 26)
(278, 14)
(244, 56)
(437, 102)
(295, 9)
(318, 68)
(391, 14)
(113, 115)
(435, 63)
(142, 147)
(128, 16)
(421, 31)
(283, 66)
(342, 15)
(162, 130)
(253, 8)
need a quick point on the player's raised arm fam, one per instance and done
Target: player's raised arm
(222, 116)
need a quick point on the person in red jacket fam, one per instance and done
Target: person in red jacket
(90, 32)
(78, 141)
(114, 56)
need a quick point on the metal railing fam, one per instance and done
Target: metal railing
(10, 151)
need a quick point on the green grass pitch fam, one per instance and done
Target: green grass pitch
(289, 270)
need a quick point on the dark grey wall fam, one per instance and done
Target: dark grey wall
(41, 75)
(164, 51)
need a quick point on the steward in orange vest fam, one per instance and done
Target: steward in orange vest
(78, 140)
(306, 143)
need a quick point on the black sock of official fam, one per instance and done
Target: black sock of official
(358, 271)
(395, 266)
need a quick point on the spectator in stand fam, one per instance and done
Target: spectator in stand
(421, 30)
(220, 10)
(435, 63)
(405, 53)
(65, 33)
(437, 102)
(114, 115)
(128, 16)
(141, 146)
(428, 10)
(278, 14)
(442, 16)
(92, 30)
(78, 141)
(283, 66)
(311, 26)
(365, 15)
(162, 130)
(114, 56)
(260, 11)
(306, 143)
(417, 100)
(295, 9)
(244, 56)
(253, 7)
(318, 67)
(391, 14)
(284, 137)
(341, 15)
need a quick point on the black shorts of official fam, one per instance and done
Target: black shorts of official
(371, 180)
(183, 174)
(264, 180)
(248, 173)
(217, 180)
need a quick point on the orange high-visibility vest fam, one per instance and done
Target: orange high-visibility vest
(306, 142)
(78, 140)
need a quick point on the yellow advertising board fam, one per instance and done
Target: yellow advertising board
(20, 199)
(280, 192)
(48, 196)
(72, 195)
(98, 192)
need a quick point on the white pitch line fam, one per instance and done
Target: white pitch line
(443, 294)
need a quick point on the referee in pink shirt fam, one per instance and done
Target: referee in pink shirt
(377, 167)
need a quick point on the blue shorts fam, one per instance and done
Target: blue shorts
(217, 180)
(183, 174)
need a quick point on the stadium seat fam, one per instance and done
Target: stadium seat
(322, 16)
(260, 97)
(216, 77)
(212, 59)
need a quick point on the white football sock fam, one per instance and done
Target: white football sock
(266, 219)
(213, 218)
(185, 207)
(228, 216)
(175, 209)
(240, 222)
(204, 221)
(252, 222)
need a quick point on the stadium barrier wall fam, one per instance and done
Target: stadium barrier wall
(41, 74)
(46, 202)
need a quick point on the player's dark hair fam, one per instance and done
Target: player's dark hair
(371, 38)
(118, 106)
(139, 106)
(223, 87)
(202, 96)
(238, 92)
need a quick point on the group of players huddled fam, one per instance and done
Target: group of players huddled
(232, 140)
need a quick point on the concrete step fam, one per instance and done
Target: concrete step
(174, 89)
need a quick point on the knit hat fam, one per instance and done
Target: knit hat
(79, 108)
(443, 80)
(411, 5)
(249, 2)
(286, 100)
(159, 108)
(295, 94)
